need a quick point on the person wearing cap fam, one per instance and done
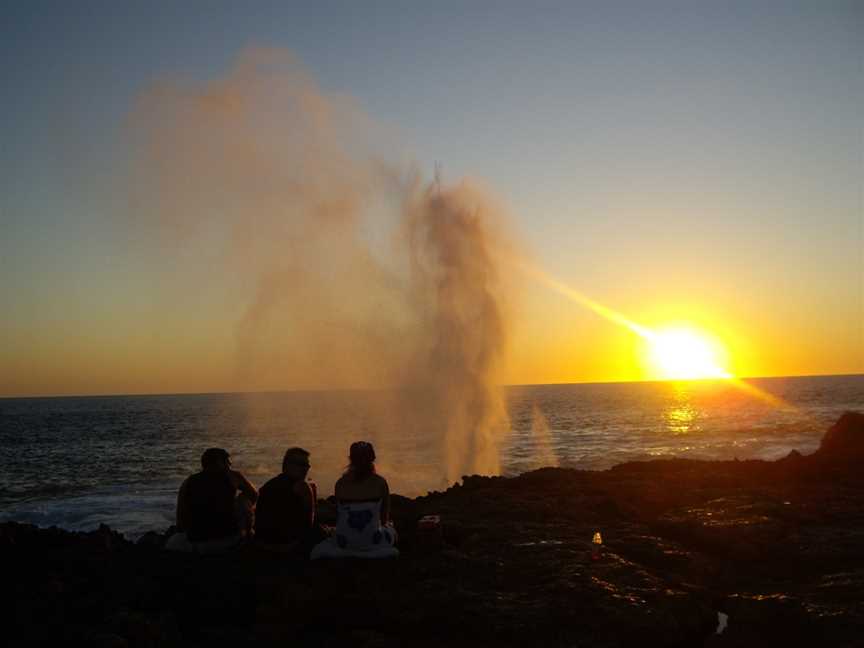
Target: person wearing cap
(285, 518)
(214, 506)
(363, 527)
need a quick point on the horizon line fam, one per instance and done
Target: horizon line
(352, 389)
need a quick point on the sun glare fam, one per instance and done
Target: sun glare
(684, 354)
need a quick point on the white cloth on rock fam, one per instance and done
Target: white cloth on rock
(359, 534)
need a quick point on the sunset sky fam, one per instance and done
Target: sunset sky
(696, 163)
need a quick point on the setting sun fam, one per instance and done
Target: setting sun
(685, 354)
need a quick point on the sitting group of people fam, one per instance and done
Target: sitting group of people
(218, 509)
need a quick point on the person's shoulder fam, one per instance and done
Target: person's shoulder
(236, 474)
(280, 482)
(342, 483)
(270, 484)
(379, 482)
(301, 487)
(191, 479)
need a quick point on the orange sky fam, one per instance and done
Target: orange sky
(552, 340)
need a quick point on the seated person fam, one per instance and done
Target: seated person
(214, 506)
(363, 527)
(285, 518)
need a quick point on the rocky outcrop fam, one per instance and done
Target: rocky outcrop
(844, 439)
(774, 545)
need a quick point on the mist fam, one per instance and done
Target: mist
(346, 267)
(544, 449)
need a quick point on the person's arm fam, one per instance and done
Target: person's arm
(307, 497)
(182, 507)
(385, 503)
(339, 490)
(314, 488)
(244, 486)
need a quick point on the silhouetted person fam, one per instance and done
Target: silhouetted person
(286, 517)
(363, 526)
(214, 506)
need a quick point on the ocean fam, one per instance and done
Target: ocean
(77, 462)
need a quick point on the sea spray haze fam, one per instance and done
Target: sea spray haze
(545, 454)
(342, 266)
(463, 328)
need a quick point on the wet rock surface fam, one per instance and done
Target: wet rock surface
(777, 546)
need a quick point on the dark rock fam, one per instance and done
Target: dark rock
(740, 526)
(7, 538)
(776, 545)
(106, 640)
(152, 539)
(845, 438)
(104, 538)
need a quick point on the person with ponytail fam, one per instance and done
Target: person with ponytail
(363, 527)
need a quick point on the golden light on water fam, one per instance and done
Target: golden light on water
(681, 417)
(686, 354)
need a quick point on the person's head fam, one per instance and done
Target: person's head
(215, 459)
(296, 463)
(361, 459)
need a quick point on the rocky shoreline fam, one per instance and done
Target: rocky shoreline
(776, 546)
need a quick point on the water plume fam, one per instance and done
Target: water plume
(341, 266)
(457, 291)
(544, 452)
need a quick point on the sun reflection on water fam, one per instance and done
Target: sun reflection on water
(681, 417)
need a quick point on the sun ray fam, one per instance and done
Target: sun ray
(653, 337)
(574, 295)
